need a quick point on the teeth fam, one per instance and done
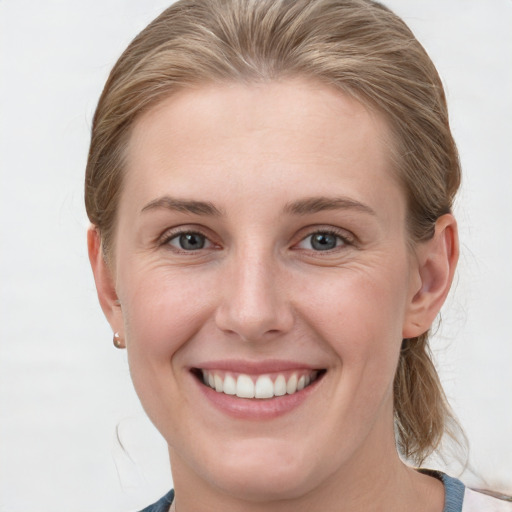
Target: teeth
(218, 383)
(280, 386)
(264, 387)
(244, 386)
(291, 385)
(229, 386)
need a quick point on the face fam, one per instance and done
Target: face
(265, 282)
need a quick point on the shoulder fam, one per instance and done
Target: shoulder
(459, 498)
(475, 501)
(162, 505)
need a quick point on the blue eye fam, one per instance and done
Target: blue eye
(321, 241)
(189, 241)
(324, 241)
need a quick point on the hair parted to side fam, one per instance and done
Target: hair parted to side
(358, 46)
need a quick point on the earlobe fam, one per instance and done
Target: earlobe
(105, 284)
(436, 262)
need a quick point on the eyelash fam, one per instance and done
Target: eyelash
(342, 235)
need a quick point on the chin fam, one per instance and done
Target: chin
(253, 482)
(266, 470)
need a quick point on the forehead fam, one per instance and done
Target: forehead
(288, 135)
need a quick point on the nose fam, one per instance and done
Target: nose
(254, 306)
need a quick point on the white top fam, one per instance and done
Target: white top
(477, 502)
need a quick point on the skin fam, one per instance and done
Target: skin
(260, 290)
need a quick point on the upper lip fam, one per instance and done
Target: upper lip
(255, 367)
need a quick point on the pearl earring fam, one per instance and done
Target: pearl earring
(118, 342)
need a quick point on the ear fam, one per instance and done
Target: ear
(436, 260)
(105, 283)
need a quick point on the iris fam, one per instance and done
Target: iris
(323, 241)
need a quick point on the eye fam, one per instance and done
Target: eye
(322, 241)
(189, 241)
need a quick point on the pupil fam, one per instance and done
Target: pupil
(323, 242)
(191, 241)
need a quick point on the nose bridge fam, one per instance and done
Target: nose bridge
(254, 304)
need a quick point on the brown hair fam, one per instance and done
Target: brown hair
(358, 46)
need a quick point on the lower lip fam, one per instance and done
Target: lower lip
(256, 408)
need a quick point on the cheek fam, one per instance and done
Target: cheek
(359, 305)
(359, 317)
(162, 308)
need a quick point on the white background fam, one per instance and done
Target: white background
(65, 392)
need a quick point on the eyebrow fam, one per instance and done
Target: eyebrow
(183, 205)
(317, 204)
(301, 207)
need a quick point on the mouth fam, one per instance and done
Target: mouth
(258, 386)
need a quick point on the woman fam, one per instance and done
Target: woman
(270, 186)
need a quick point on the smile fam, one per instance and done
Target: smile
(258, 386)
